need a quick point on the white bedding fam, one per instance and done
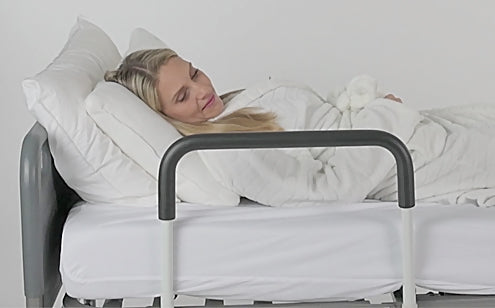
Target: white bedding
(452, 149)
(318, 252)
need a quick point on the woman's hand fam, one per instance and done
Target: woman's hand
(393, 97)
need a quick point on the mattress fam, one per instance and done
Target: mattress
(325, 251)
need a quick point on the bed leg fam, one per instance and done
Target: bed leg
(409, 288)
(167, 295)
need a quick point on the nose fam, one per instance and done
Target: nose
(202, 91)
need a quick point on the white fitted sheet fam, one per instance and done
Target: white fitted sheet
(320, 252)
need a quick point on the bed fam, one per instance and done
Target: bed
(118, 243)
(310, 254)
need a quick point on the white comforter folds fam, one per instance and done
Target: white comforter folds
(451, 148)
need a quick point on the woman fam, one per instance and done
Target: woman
(185, 95)
(448, 156)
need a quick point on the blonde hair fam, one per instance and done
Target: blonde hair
(139, 74)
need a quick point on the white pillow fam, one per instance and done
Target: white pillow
(143, 39)
(144, 136)
(85, 157)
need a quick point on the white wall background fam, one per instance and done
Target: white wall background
(430, 53)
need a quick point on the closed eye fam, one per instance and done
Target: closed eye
(195, 74)
(185, 92)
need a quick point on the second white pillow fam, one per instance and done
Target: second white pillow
(144, 136)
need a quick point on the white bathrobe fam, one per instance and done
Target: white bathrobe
(452, 149)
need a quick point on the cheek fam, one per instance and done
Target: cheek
(165, 108)
(172, 110)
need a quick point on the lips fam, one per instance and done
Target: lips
(210, 102)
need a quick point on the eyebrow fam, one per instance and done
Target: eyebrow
(174, 98)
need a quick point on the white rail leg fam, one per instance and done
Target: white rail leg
(409, 285)
(167, 294)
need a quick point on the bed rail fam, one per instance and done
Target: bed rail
(294, 139)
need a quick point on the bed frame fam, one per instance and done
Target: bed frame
(45, 204)
(46, 201)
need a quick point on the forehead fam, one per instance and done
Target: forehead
(175, 66)
(172, 75)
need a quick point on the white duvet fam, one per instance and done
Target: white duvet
(452, 149)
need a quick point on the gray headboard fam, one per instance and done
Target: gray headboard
(45, 204)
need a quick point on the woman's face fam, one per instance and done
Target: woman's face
(186, 93)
